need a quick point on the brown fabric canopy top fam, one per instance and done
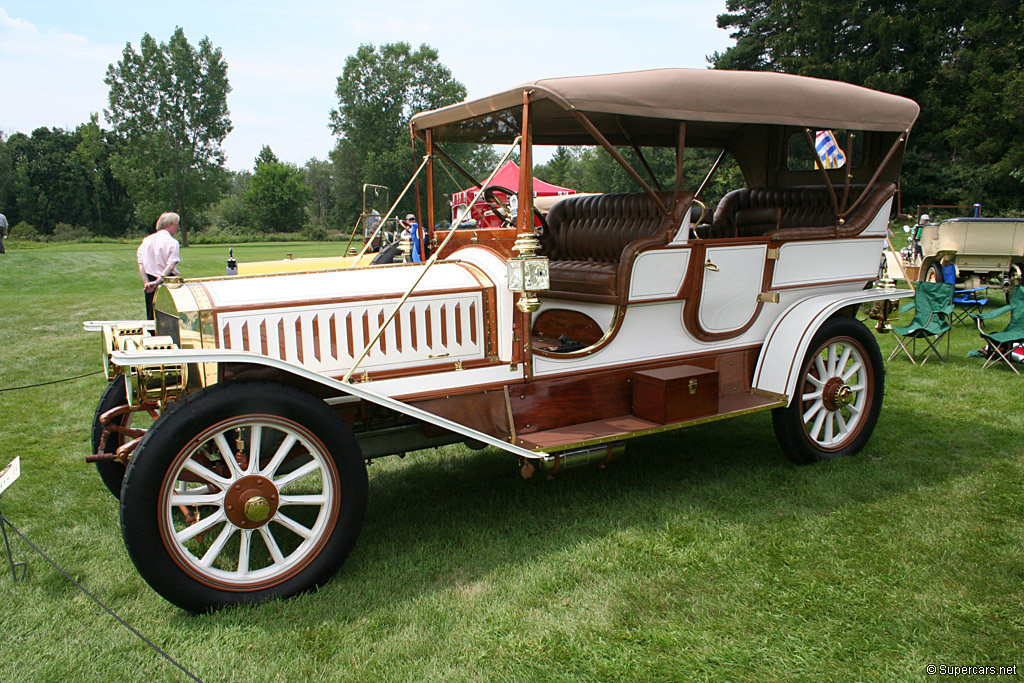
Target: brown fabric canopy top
(657, 98)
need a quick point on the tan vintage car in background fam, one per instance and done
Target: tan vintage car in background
(985, 251)
(622, 315)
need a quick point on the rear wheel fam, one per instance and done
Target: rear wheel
(117, 428)
(243, 492)
(838, 396)
(1016, 277)
(934, 273)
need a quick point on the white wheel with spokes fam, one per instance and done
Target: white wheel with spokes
(839, 394)
(240, 521)
(836, 389)
(243, 492)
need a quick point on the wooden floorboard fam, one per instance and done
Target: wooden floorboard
(625, 426)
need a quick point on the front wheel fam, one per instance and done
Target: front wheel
(243, 492)
(838, 397)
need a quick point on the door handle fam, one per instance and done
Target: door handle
(710, 266)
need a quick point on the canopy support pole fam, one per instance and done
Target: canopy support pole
(680, 150)
(639, 154)
(610, 148)
(878, 171)
(824, 172)
(425, 233)
(454, 164)
(711, 173)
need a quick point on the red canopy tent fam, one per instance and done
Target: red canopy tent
(507, 176)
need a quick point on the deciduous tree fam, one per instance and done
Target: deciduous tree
(963, 63)
(169, 101)
(276, 196)
(379, 90)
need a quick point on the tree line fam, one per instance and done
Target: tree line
(167, 107)
(168, 116)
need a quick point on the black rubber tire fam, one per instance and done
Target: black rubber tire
(166, 563)
(790, 428)
(111, 471)
(1016, 278)
(934, 273)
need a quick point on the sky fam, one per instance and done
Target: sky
(284, 58)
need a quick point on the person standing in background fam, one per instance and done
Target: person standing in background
(3, 232)
(158, 257)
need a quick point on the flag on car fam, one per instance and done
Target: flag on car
(828, 149)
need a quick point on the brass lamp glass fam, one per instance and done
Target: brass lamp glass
(528, 273)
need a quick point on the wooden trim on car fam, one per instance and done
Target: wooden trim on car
(609, 335)
(694, 282)
(625, 366)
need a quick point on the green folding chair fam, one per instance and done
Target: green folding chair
(933, 304)
(1001, 344)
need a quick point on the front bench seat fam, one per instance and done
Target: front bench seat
(591, 242)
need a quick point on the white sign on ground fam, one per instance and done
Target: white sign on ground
(10, 473)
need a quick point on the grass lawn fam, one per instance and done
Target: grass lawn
(700, 555)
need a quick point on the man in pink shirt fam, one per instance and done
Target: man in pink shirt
(158, 257)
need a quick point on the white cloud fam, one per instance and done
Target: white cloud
(57, 76)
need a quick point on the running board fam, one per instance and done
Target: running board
(629, 426)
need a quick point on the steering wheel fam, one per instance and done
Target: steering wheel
(501, 209)
(504, 211)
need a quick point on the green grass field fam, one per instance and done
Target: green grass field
(701, 555)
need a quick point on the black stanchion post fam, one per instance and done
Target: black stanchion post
(7, 477)
(10, 557)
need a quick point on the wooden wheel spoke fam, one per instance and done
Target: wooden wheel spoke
(202, 526)
(228, 455)
(205, 473)
(301, 472)
(293, 526)
(272, 547)
(813, 410)
(244, 546)
(214, 551)
(318, 499)
(286, 446)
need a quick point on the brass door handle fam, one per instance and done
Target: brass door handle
(710, 266)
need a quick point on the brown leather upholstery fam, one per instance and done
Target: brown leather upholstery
(753, 222)
(805, 212)
(591, 242)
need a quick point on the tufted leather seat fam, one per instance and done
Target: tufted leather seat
(591, 241)
(804, 212)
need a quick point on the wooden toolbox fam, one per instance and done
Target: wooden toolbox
(675, 394)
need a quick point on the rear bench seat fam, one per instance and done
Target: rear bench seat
(591, 242)
(800, 212)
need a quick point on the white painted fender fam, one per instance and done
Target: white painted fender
(786, 344)
(180, 356)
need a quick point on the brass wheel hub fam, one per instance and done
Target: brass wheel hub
(836, 394)
(251, 502)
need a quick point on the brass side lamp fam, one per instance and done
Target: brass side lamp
(528, 272)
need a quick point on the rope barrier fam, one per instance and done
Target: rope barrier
(56, 381)
(6, 522)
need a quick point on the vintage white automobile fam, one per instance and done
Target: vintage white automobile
(619, 317)
(985, 251)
